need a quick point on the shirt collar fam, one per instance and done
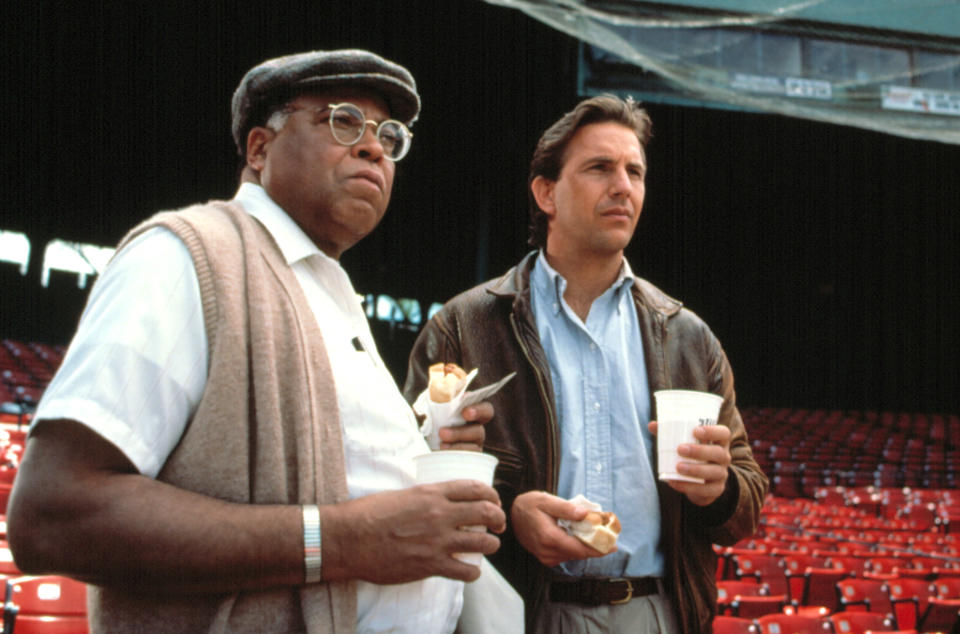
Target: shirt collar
(552, 285)
(293, 242)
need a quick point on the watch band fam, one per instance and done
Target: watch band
(311, 543)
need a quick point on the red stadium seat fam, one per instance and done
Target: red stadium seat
(733, 625)
(47, 624)
(47, 605)
(941, 615)
(854, 565)
(745, 606)
(795, 565)
(729, 591)
(7, 565)
(764, 568)
(790, 624)
(909, 598)
(871, 595)
(947, 588)
(884, 567)
(820, 587)
(860, 622)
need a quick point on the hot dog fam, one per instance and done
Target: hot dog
(446, 379)
(599, 530)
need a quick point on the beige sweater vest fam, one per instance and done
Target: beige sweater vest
(267, 430)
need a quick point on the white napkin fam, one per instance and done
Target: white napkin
(448, 414)
(582, 502)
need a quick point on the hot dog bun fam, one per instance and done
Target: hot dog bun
(599, 530)
(446, 379)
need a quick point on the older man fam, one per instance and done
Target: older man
(223, 449)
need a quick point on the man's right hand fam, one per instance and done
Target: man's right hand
(400, 536)
(534, 516)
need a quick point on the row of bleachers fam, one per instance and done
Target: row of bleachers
(803, 450)
(863, 516)
(26, 369)
(786, 623)
(821, 561)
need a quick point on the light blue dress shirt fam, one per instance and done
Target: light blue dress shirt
(603, 402)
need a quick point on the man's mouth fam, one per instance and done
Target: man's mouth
(618, 211)
(372, 176)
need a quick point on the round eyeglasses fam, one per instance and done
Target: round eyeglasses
(348, 125)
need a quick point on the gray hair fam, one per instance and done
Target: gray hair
(278, 119)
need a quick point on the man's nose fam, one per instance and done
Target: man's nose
(620, 183)
(369, 146)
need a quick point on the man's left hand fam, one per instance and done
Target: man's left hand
(468, 437)
(714, 450)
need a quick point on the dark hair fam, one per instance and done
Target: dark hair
(550, 154)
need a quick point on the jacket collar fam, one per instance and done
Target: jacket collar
(516, 282)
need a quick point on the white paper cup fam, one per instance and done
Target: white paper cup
(679, 412)
(443, 466)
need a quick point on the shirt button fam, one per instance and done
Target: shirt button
(593, 346)
(596, 406)
(599, 467)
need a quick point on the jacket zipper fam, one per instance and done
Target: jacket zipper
(548, 406)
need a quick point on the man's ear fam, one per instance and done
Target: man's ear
(258, 140)
(543, 189)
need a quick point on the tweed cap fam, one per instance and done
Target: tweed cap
(278, 80)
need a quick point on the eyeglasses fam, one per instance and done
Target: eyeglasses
(348, 124)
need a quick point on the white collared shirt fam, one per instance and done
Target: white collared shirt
(136, 371)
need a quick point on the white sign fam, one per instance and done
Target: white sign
(921, 100)
(809, 88)
(789, 87)
(757, 83)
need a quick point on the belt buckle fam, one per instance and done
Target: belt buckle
(629, 591)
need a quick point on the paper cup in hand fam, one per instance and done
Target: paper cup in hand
(679, 412)
(443, 466)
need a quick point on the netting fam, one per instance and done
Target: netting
(905, 83)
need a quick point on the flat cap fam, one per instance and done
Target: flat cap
(278, 80)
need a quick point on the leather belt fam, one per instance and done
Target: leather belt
(602, 591)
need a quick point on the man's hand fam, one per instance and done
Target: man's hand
(534, 517)
(468, 437)
(411, 534)
(714, 450)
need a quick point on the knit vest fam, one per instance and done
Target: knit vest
(266, 431)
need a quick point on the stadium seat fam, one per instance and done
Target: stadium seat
(860, 622)
(729, 591)
(909, 598)
(947, 588)
(945, 573)
(7, 565)
(884, 567)
(790, 624)
(764, 568)
(940, 615)
(795, 565)
(5, 490)
(46, 605)
(746, 606)
(871, 595)
(820, 587)
(855, 566)
(733, 625)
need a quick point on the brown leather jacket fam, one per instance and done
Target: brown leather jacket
(491, 327)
